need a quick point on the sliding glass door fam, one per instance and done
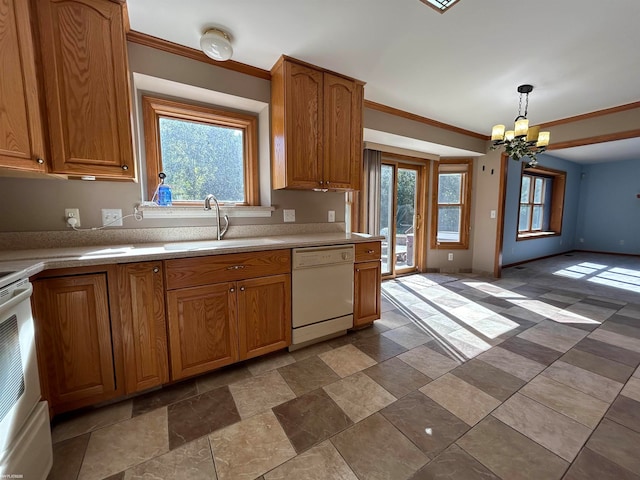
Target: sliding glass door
(400, 219)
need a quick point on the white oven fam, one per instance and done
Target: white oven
(25, 435)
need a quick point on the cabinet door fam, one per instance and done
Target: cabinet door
(367, 278)
(304, 124)
(264, 315)
(21, 137)
(84, 60)
(203, 332)
(74, 339)
(342, 132)
(144, 333)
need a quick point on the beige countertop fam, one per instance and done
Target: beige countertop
(29, 262)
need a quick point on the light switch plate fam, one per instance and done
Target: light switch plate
(332, 216)
(289, 215)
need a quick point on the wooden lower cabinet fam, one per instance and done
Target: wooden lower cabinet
(216, 325)
(366, 288)
(366, 283)
(264, 315)
(75, 337)
(203, 328)
(144, 335)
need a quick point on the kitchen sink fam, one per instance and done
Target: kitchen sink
(215, 244)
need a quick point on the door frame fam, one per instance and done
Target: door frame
(421, 166)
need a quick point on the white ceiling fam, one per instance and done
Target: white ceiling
(461, 67)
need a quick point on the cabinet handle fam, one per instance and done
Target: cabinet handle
(232, 290)
(156, 269)
(235, 267)
(242, 289)
(369, 251)
(125, 167)
(39, 160)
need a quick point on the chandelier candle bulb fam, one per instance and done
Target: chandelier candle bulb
(543, 139)
(497, 133)
(509, 135)
(522, 126)
(532, 134)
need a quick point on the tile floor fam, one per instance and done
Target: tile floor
(533, 376)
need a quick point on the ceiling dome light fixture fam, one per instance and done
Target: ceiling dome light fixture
(216, 44)
(523, 140)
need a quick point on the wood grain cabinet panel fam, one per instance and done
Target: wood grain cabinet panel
(192, 272)
(342, 133)
(203, 331)
(144, 336)
(367, 282)
(264, 315)
(74, 339)
(21, 131)
(84, 60)
(316, 127)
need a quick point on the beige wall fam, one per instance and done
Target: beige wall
(386, 122)
(37, 204)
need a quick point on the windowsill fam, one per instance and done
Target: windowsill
(532, 235)
(233, 211)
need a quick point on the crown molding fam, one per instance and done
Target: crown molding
(140, 38)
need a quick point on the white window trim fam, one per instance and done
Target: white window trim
(241, 211)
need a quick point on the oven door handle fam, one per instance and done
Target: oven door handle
(24, 294)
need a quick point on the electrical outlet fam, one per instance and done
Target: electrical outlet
(72, 213)
(492, 214)
(111, 217)
(289, 215)
(332, 216)
(450, 257)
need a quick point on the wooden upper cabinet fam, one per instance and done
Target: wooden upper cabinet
(342, 132)
(74, 340)
(316, 127)
(21, 132)
(84, 60)
(144, 336)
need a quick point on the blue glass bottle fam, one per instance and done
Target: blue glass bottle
(164, 192)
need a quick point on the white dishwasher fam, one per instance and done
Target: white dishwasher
(322, 293)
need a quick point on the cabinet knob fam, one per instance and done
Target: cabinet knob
(357, 269)
(369, 251)
(232, 290)
(321, 182)
(328, 182)
(242, 289)
(39, 160)
(156, 269)
(235, 267)
(125, 167)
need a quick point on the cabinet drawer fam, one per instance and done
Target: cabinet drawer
(367, 251)
(192, 272)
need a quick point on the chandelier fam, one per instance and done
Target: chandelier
(523, 140)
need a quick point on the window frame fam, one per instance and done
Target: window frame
(531, 203)
(465, 166)
(556, 202)
(155, 107)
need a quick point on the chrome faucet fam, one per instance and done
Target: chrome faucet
(207, 206)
